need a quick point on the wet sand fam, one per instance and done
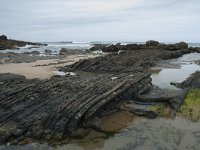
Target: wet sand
(42, 69)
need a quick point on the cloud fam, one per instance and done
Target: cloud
(130, 20)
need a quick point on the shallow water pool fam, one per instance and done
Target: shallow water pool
(176, 71)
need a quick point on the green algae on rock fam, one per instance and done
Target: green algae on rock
(163, 110)
(191, 105)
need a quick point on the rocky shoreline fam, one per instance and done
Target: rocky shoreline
(53, 109)
(6, 43)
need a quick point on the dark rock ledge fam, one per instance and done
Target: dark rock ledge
(52, 109)
(6, 43)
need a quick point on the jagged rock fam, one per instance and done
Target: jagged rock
(126, 61)
(48, 52)
(134, 47)
(155, 94)
(152, 43)
(181, 45)
(111, 48)
(3, 37)
(170, 47)
(65, 51)
(33, 52)
(44, 108)
(13, 44)
(97, 47)
(193, 81)
(195, 49)
(173, 47)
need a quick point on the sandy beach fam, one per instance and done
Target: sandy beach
(42, 69)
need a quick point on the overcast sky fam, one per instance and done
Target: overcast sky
(101, 20)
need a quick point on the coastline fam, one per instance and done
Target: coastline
(103, 86)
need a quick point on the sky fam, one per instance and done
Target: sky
(101, 20)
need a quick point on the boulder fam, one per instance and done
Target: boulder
(66, 51)
(48, 52)
(195, 49)
(97, 47)
(181, 45)
(33, 53)
(152, 43)
(193, 81)
(111, 48)
(3, 37)
(169, 47)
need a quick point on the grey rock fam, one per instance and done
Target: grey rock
(3, 37)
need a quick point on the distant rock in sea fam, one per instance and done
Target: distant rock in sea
(6, 43)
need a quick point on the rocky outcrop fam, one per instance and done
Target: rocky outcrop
(181, 45)
(53, 108)
(47, 52)
(156, 95)
(195, 49)
(173, 47)
(193, 81)
(124, 62)
(26, 57)
(32, 53)
(3, 37)
(151, 44)
(66, 51)
(13, 44)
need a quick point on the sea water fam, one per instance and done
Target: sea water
(184, 67)
(55, 47)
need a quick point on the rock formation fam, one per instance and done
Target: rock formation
(151, 44)
(52, 109)
(3, 37)
(13, 44)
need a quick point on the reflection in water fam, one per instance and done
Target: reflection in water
(164, 77)
(142, 134)
(188, 57)
(157, 134)
(180, 69)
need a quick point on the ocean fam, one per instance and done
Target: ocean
(55, 47)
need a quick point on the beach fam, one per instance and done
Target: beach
(81, 98)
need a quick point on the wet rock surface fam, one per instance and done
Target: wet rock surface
(53, 108)
(190, 108)
(191, 82)
(157, 95)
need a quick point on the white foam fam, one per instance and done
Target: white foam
(61, 73)
(114, 78)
